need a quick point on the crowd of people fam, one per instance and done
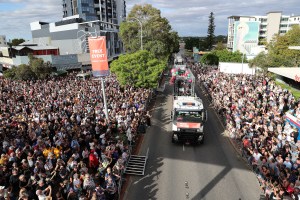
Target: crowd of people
(254, 108)
(57, 142)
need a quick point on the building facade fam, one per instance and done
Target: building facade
(111, 11)
(83, 18)
(3, 42)
(246, 33)
(71, 37)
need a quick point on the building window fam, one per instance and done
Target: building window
(283, 25)
(282, 31)
(263, 26)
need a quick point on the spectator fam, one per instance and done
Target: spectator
(253, 109)
(55, 131)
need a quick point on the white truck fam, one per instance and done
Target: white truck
(188, 117)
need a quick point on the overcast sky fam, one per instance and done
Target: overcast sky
(187, 17)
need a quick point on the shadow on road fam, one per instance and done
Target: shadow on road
(210, 153)
(152, 174)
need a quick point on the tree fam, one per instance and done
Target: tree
(261, 61)
(191, 42)
(158, 36)
(221, 38)
(39, 68)
(10, 73)
(279, 53)
(16, 42)
(228, 56)
(209, 59)
(220, 46)
(210, 31)
(140, 69)
(24, 72)
(36, 69)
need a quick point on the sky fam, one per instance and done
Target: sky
(187, 17)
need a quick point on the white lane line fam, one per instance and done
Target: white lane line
(183, 147)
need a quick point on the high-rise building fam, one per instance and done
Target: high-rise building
(112, 11)
(246, 33)
(81, 19)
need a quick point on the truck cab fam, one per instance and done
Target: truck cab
(188, 117)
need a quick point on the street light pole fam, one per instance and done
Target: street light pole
(141, 27)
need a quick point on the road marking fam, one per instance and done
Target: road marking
(183, 147)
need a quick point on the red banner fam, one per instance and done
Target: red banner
(188, 125)
(98, 56)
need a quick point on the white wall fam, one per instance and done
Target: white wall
(18, 60)
(236, 68)
(66, 47)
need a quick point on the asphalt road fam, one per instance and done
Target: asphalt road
(212, 170)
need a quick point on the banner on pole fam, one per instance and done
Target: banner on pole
(98, 56)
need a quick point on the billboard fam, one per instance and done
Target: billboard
(246, 36)
(98, 56)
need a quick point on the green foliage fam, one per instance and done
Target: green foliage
(140, 69)
(279, 53)
(210, 59)
(24, 72)
(262, 41)
(158, 36)
(228, 56)
(201, 42)
(36, 69)
(210, 31)
(221, 38)
(10, 73)
(16, 42)
(261, 61)
(220, 46)
(191, 42)
(39, 68)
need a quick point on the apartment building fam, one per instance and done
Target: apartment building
(247, 33)
(111, 11)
